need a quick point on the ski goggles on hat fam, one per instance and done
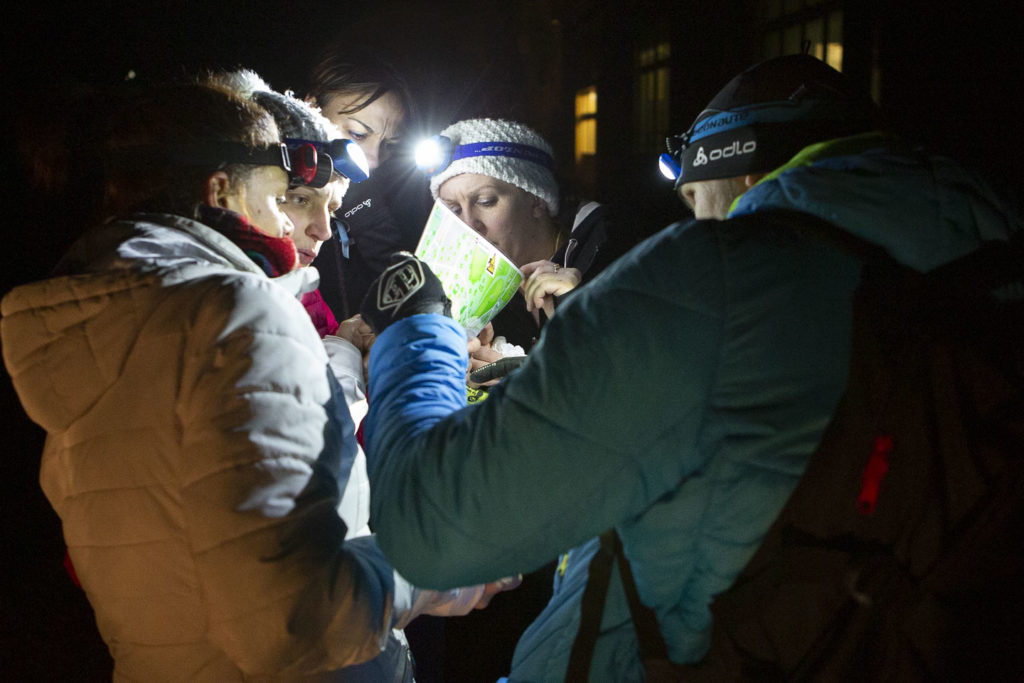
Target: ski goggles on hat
(436, 153)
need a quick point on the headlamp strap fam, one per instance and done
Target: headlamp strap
(504, 149)
(223, 152)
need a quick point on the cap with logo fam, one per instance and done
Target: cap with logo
(764, 116)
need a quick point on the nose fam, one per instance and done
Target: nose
(470, 218)
(319, 227)
(372, 152)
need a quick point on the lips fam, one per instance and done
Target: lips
(306, 256)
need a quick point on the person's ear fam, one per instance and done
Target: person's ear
(540, 207)
(752, 179)
(217, 190)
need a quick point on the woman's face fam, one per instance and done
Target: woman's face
(310, 209)
(375, 128)
(259, 197)
(508, 217)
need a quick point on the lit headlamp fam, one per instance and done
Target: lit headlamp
(733, 136)
(312, 162)
(436, 153)
(349, 159)
(668, 162)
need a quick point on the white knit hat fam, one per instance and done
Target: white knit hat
(526, 163)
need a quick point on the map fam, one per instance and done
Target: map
(478, 278)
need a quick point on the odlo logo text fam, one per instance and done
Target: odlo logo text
(734, 149)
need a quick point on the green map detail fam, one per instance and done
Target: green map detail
(477, 277)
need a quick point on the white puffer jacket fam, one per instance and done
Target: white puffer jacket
(186, 401)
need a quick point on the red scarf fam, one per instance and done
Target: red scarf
(274, 255)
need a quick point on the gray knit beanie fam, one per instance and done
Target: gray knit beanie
(294, 117)
(527, 166)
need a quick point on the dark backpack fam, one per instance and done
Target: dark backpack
(900, 554)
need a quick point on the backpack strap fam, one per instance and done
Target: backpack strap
(591, 610)
(648, 632)
(653, 651)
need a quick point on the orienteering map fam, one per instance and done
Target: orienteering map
(477, 277)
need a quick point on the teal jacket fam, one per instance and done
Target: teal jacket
(677, 397)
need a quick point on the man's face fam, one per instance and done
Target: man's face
(310, 212)
(712, 198)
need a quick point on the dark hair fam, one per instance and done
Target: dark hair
(346, 70)
(143, 171)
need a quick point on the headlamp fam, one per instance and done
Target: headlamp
(435, 154)
(348, 159)
(308, 167)
(798, 108)
(312, 162)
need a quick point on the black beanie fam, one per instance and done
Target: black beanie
(767, 114)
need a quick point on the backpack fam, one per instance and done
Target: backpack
(900, 553)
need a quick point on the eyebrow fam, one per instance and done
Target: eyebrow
(369, 129)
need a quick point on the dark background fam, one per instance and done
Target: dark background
(951, 79)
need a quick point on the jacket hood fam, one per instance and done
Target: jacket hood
(67, 322)
(923, 210)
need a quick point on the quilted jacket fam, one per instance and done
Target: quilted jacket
(677, 397)
(196, 449)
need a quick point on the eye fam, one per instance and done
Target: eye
(356, 135)
(298, 200)
(455, 208)
(486, 200)
(281, 200)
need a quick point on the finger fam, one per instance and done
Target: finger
(538, 287)
(486, 355)
(486, 335)
(528, 269)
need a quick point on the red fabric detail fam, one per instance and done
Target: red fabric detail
(275, 255)
(871, 480)
(70, 568)
(359, 434)
(320, 313)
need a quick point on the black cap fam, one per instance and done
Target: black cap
(767, 114)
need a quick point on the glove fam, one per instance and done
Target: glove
(406, 287)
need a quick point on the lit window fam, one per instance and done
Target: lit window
(586, 122)
(791, 24)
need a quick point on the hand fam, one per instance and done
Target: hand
(499, 586)
(543, 281)
(360, 335)
(356, 331)
(406, 287)
(482, 339)
(481, 353)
